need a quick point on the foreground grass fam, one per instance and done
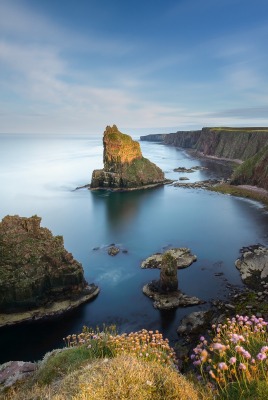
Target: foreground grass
(240, 192)
(232, 363)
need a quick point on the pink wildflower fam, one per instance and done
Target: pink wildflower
(232, 360)
(223, 366)
(242, 366)
(261, 356)
(246, 354)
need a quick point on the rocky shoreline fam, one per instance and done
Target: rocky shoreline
(51, 310)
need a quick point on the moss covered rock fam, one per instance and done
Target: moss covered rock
(253, 171)
(36, 272)
(124, 165)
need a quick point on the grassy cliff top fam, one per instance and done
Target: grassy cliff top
(243, 129)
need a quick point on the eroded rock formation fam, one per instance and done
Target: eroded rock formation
(124, 165)
(253, 265)
(38, 277)
(165, 291)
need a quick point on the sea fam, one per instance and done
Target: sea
(39, 175)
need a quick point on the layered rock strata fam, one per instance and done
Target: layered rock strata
(124, 166)
(38, 277)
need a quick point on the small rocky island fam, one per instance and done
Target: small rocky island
(38, 277)
(164, 291)
(124, 166)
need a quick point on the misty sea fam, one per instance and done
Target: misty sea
(39, 174)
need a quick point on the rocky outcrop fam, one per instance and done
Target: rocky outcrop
(253, 265)
(165, 291)
(183, 256)
(38, 277)
(124, 166)
(167, 301)
(14, 371)
(253, 171)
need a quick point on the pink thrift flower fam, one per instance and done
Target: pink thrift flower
(242, 366)
(232, 360)
(223, 366)
(261, 356)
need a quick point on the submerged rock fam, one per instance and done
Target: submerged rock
(253, 265)
(113, 250)
(38, 277)
(124, 166)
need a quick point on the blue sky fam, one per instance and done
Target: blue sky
(70, 66)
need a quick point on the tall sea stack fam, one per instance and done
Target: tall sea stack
(124, 166)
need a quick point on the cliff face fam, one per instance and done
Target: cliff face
(253, 171)
(184, 139)
(158, 137)
(240, 143)
(124, 165)
(35, 268)
(231, 143)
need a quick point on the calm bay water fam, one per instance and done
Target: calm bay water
(38, 175)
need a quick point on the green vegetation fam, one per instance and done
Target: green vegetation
(245, 129)
(254, 170)
(234, 358)
(240, 192)
(101, 364)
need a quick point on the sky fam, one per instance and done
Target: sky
(76, 66)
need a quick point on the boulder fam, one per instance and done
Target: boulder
(38, 277)
(14, 371)
(253, 265)
(193, 323)
(124, 166)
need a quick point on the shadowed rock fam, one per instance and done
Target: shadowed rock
(253, 265)
(38, 277)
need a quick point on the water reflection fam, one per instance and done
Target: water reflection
(121, 207)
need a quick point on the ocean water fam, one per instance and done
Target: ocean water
(38, 175)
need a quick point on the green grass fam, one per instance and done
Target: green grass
(240, 192)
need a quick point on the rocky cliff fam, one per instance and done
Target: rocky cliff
(38, 277)
(159, 137)
(124, 166)
(253, 171)
(245, 144)
(232, 143)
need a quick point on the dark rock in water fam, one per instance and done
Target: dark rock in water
(38, 277)
(253, 265)
(124, 166)
(113, 250)
(168, 274)
(193, 322)
(166, 301)
(165, 291)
